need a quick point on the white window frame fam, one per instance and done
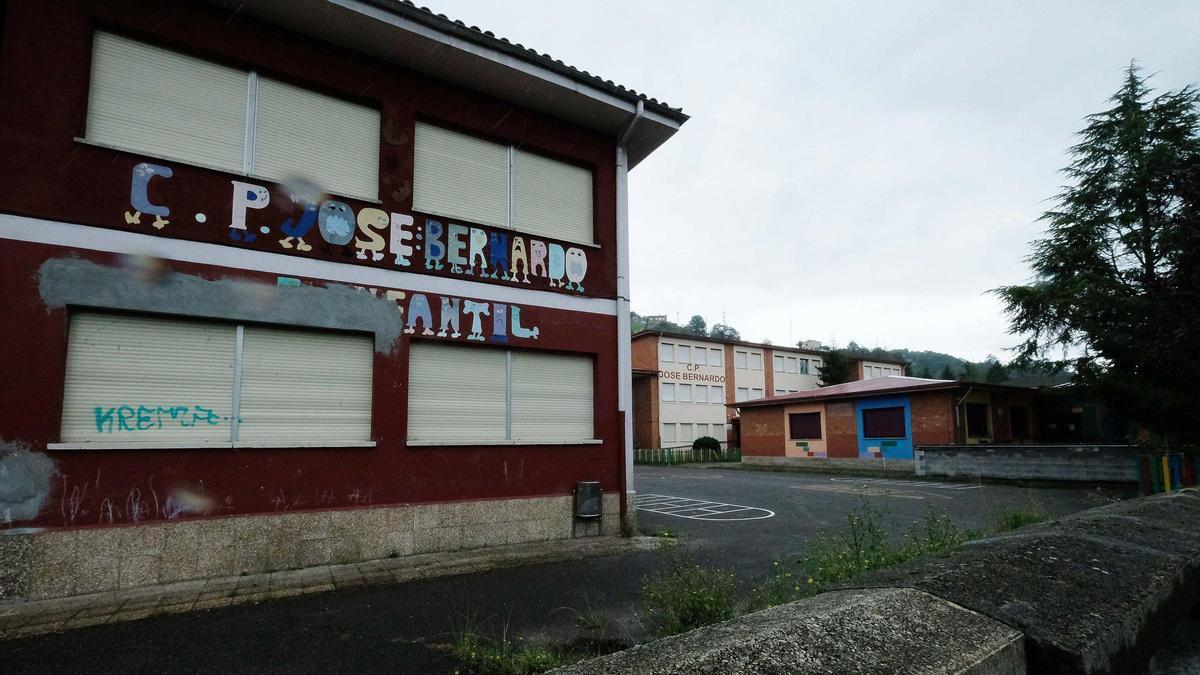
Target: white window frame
(756, 392)
(777, 363)
(663, 389)
(717, 394)
(700, 356)
(741, 394)
(666, 352)
(248, 139)
(803, 367)
(741, 360)
(683, 353)
(683, 393)
(792, 366)
(662, 432)
(697, 396)
(756, 361)
(716, 357)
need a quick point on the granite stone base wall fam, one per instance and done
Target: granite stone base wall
(1086, 463)
(64, 562)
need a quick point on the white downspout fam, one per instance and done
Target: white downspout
(624, 344)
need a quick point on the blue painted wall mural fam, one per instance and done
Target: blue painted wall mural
(885, 448)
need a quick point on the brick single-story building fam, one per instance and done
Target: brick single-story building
(885, 418)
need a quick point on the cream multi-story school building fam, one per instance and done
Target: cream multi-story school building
(682, 383)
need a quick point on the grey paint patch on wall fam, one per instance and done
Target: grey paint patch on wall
(140, 287)
(24, 482)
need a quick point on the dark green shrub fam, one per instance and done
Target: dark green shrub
(706, 443)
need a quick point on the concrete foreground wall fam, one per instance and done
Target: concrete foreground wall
(1093, 463)
(1095, 593)
(59, 563)
(895, 631)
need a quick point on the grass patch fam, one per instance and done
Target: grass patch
(508, 657)
(1013, 518)
(686, 595)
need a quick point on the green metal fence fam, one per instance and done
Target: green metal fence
(685, 455)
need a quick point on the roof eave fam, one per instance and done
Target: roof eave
(436, 46)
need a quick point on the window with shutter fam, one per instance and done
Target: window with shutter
(804, 426)
(155, 101)
(326, 400)
(139, 381)
(551, 397)
(552, 198)
(884, 422)
(296, 128)
(460, 176)
(456, 394)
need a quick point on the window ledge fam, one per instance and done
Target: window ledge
(587, 441)
(200, 165)
(222, 445)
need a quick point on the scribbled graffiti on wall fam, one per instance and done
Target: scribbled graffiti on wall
(373, 234)
(134, 418)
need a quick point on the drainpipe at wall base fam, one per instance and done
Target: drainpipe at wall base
(624, 335)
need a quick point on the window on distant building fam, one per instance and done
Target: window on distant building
(666, 392)
(717, 395)
(804, 426)
(147, 381)
(740, 360)
(755, 392)
(884, 422)
(460, 176)
(977, 420)
(699, 356)
(778, 363)
(684, 353)
(714, 357)
(668, 433)
(511, 396)
(701, 393)
(791, 364)
(666, 352)
(162, 103)
(741, 394)
(683, 393)
(803, 366)
(756, 361)
(686, 434)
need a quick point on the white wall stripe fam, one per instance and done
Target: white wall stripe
(38, 231)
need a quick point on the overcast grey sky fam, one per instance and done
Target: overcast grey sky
(860, 171)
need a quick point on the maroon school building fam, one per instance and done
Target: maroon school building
(302, 283)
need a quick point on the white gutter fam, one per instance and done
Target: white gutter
(624, 335)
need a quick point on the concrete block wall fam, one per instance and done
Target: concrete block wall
(1088, 463)
(66, 562)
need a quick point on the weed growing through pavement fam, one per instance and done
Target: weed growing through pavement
(504, 656)
(1020, 516)
(686, 595)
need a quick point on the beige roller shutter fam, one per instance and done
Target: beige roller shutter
(552, 198)
(551, 397)
(137, 380)
(456, 393)
(460, 176)
(163, 103)
(305, 387)
(332, 142)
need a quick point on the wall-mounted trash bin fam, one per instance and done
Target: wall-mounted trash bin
(588, 501)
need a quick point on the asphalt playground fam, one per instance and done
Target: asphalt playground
(737, 519)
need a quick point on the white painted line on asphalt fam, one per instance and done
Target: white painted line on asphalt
(682, 507)
(909, 483)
